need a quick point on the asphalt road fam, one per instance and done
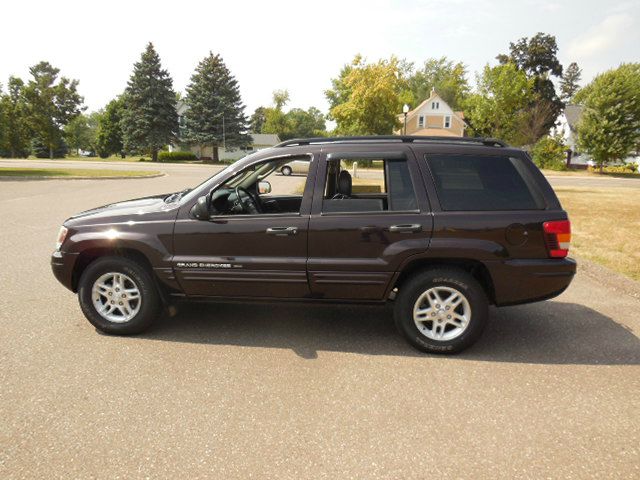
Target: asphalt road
(552, 390)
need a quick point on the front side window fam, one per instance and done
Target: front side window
(478, 183)
(372, 186)
(271, 187)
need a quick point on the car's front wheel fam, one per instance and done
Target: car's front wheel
(441, 310)
(118, 296)
(286, 171)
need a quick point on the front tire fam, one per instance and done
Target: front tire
(441, 310)
(118, 296)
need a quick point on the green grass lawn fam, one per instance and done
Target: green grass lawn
(72, 172)
(586, 173)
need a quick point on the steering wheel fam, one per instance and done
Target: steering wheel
(247, 201)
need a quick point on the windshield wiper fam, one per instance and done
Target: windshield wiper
(174, 197)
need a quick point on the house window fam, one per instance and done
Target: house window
(447, 121)
(421, 121)
(435, 105)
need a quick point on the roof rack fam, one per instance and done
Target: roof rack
(489, 142)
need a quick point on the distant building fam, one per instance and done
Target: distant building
(433, 117)
(566, 127)
(259, 142)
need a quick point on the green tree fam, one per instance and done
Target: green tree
(257, 119)
(15, 141)
(447, 78)
(215, 114)
(80, 133)
(51, 103)
(365, 98)
(570, 82)
(550, 152)
(150, 120)
(497, 108)
(610, 125)
(537, 58)
(109, 137)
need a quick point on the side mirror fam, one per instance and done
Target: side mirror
(264, 187)
(201, 209)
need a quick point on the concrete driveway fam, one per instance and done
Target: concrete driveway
(552, 390)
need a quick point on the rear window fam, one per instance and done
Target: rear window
(467, 182)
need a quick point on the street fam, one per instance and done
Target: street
(552, 390)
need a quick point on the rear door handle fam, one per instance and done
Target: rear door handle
(282, 231)
(406, 228)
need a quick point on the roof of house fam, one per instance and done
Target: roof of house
(573, 114)
(265, 139)
(433, 96)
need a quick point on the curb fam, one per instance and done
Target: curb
(610, 278)
(36, 177)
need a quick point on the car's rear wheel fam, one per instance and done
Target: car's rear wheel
(441, 310)
(118, 296)
(286, 171)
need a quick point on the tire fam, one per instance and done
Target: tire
(422, 317)
(286, 171)
(132, 276)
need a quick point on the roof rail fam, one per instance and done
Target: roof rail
(489, 142)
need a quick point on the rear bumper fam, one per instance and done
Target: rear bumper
(62, 266)
(530, 280)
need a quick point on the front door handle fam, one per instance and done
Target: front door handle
(282, 231)
(406, 228)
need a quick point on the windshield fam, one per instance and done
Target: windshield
(212, 179)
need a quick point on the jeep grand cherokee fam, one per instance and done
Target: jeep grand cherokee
(442, 227)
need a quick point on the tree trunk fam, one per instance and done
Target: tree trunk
(601, 167)
(154, 154)
(50, 152)
(216, 157)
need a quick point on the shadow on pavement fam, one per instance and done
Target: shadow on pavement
(544, 333)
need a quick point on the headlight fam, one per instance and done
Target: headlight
(62, 234)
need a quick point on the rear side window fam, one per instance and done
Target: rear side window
(467, 182)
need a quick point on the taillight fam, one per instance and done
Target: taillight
(558, 237)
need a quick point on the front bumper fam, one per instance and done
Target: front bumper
(62, 266)
(530, 280)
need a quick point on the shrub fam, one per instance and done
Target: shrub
(550, 153)
(626, 168)
(40, 150)
(176, 156)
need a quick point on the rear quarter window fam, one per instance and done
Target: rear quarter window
(477, 183)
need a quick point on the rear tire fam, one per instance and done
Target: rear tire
(442, 310)
(286, 171)
(118, 296)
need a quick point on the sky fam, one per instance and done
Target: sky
(297, 45)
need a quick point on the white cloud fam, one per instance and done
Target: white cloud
(602, 37)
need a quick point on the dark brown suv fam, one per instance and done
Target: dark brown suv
(442, 227)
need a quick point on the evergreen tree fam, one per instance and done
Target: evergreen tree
(50, 105)
(150, 120)
(215, 114)
(109, 139)
(569, 84)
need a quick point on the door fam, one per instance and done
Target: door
(247, 255)
(362, 229)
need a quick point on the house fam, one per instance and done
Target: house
(566, 127)
(258, 142)
(433, 117)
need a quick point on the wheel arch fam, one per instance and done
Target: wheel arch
(475, 268)
(88, 256)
